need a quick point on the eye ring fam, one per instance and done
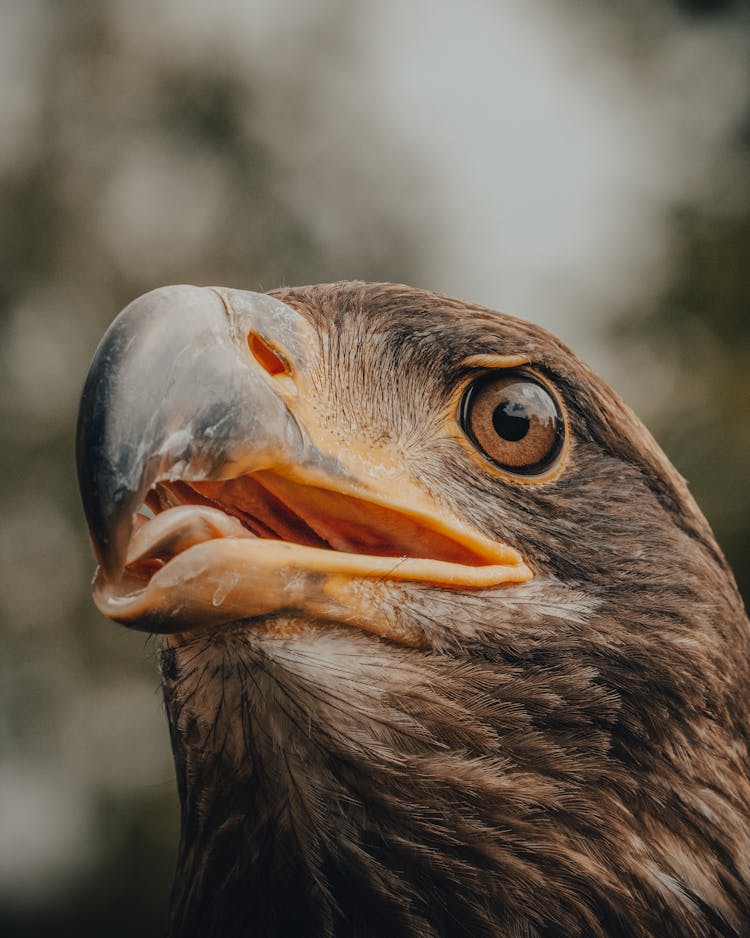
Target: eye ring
(516, 421)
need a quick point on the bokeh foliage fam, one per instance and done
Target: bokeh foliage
(700, 329)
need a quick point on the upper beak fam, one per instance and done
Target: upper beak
(172, 394)
(184, 394)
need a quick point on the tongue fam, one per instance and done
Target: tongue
(177, 529)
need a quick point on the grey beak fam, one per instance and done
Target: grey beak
(174, 393)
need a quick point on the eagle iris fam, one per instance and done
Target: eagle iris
(515, 421)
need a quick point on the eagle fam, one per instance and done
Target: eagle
(447, 647)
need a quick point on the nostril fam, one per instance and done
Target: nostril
(266, 356)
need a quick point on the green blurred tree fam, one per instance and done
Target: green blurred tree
(700, 328)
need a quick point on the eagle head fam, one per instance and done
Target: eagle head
(447, 647)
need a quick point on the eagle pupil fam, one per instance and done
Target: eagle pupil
(511, 421)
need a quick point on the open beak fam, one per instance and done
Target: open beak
(207, 497)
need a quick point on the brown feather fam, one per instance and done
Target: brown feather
(567, 757)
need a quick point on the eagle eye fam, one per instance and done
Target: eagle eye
(514, 420)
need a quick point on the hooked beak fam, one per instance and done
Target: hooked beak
(171, 394)
(189, 407)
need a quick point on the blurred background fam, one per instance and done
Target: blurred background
(584, 165)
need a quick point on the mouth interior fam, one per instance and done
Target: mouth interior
(267, 505)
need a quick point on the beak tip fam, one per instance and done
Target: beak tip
(172, 392)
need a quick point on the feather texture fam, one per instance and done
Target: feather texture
(567, 757)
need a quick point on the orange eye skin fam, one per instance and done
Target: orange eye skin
(515, 421)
